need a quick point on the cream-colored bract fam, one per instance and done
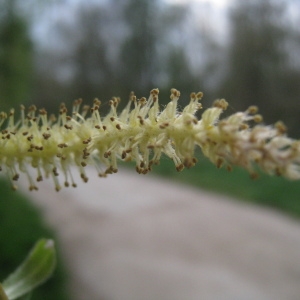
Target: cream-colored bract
(142, 132)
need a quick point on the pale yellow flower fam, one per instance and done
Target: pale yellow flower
(142, 132)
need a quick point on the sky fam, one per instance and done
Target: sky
(216, 9)
(216, 3)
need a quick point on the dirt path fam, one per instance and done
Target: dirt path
(133, 237)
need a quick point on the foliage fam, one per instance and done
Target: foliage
(20, 227)
(274, 192)
(34, 271)
(15, 60)
(259, 63)
(138, 53)
(113, 47)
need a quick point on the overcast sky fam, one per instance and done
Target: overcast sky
(217, 3)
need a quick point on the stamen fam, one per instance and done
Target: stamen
(52, 145)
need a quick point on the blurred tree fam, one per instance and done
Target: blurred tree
(114, 47)
(92, 69)
(82, 66)
(15, 57)
(138, 52)
(174, 40)
(49, 88)
(180, 74)
(258, 61)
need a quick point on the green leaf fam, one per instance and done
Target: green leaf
(37, 268)
(26, 297)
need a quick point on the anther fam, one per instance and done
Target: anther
(154, 92)
(16, 177)
(54, 170)
(132, 97)
(219, 162)
(43, 112)
(164, 125)
(45, 135)
(33, 188)
(174, 93)
(142, 101)
(11, 113)
(179, 168)
(107, 154)
(281, 128)
(188, 162)
(199, 95)
(87, 141)
(252, 110)
(257, 118)
(221, 103)
(69, 127)
(97, 102)
(62, 145)
(243, 126)
(193, 96)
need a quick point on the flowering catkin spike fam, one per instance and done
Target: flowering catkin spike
(140, 133)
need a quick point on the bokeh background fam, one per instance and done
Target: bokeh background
(244, 51)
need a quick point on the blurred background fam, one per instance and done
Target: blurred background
(244, 51)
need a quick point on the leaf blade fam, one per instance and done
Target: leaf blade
(36, 269)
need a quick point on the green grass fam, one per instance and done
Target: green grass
(21, 225)
(271, 191)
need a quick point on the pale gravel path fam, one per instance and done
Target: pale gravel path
(134, 237)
